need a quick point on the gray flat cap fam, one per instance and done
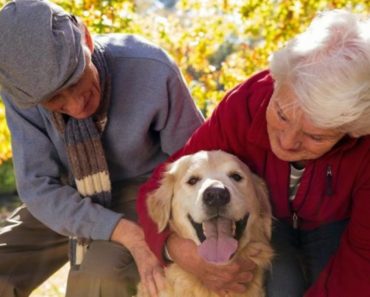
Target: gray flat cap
(40, 51)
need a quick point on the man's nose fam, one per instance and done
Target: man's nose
(74, 101)
(290, 139)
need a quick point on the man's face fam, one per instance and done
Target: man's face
(82, 99)
(293, 137)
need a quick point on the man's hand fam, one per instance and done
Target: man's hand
(220, 278)
(130, 235)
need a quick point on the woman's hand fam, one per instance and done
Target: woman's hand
(130, 235)
(220, 278)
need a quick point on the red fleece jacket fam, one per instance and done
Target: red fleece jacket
(334, 187)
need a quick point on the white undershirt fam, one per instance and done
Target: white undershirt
(295, 179)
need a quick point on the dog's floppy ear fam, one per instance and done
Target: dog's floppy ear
(265, 206)
(159, 201)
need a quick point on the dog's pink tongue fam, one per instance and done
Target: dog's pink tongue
(219, 245)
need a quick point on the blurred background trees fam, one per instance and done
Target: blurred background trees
(216, 43)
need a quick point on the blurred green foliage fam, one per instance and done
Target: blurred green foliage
(216, 43)
(7, 179)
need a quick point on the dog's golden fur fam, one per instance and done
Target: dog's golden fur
(181, 195)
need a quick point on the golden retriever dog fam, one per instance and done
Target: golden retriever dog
(212, 198)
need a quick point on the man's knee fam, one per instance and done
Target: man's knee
(106, 270)
(108, 260)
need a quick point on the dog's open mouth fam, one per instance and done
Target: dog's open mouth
(219, 237)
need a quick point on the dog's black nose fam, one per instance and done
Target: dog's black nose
(216, 197)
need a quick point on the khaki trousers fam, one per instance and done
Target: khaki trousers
(30, 253)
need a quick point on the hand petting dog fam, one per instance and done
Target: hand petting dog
(130, 235)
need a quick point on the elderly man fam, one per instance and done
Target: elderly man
(89, 119)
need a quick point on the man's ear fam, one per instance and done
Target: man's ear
(88, 38)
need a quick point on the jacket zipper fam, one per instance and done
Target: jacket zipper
(329, 181)
(295, 217)
(329, 192)
(295, 220)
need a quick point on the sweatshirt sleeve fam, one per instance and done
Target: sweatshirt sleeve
(40, 185)
(180, 118)
(347, 273)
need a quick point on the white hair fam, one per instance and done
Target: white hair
(328, 68)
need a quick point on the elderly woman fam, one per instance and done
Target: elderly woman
(303, 125)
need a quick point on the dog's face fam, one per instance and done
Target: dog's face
(212, 198)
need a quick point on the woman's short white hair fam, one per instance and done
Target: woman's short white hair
(328, 68)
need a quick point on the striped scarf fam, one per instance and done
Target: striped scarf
(85, 151)
(83, 142)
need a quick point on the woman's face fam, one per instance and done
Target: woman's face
(82, 99)
(293, 137)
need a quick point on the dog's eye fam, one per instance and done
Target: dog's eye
(235, 176)
(193, 180)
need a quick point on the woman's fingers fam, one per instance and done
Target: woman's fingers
(152, 275)
(159, 279)
(151, 286)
